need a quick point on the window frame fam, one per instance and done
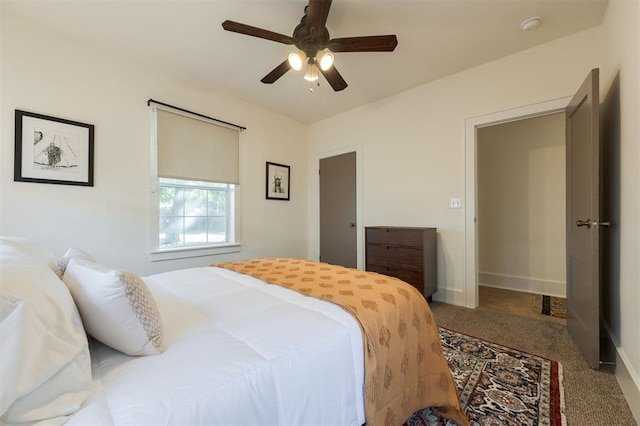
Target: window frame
(208, 249)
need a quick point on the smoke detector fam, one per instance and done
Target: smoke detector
(531, 23)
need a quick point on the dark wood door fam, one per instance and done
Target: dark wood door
(583, 250)
(338, 233)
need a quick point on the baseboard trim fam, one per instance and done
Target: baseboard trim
(450, 296)
(628, 381)
(526, 284)
(627, 377)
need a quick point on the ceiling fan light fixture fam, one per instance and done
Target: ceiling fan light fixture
(325, 60)
(312, 72)
(297, 59)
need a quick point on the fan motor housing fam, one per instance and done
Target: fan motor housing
(309, 42)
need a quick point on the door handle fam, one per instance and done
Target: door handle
(352, 225)
(580, 223)
(589, 223)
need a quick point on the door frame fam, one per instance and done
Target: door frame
(357, 148)
(472, 124)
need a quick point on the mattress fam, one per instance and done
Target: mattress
(238, 351)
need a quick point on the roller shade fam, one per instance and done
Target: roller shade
(193, 149)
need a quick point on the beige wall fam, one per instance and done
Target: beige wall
(48, 73)
(620, 81)
(521, 205)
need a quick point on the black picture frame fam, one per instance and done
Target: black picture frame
(278, 181)
(52, 150)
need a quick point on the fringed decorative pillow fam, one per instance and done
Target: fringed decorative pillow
(116, 307)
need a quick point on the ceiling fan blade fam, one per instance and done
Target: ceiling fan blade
(317, 14)
(237, 27)
(380, 43)
(334, 78)
(276, 73)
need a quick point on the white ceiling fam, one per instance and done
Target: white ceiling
(436, 38)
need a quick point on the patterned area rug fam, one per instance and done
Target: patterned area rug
(499, 385)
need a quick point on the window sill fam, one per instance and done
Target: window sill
(187, 252)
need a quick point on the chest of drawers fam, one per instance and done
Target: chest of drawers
(405, 253)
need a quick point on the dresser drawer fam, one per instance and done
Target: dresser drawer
(406, 253)
(395, 257)
(415, 278)
(395, 236)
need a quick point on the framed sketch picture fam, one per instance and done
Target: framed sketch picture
(278, 182)
(52, 150)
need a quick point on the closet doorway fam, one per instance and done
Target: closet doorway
(521, 175)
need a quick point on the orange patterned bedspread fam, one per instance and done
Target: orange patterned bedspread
(405, 369)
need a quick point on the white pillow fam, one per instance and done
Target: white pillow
(45, 364)
(22, 250)
(116, 307)
(60, 265)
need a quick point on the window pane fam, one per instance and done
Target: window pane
(217, 229)
(171, 231)
(171, 201)
(217, 202)
(195, 202)
(193, 213)
(195, 230)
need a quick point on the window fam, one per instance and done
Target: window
(194, 213)
(195, 170)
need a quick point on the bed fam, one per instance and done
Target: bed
(234, 347)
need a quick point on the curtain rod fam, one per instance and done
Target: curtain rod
(195, 113)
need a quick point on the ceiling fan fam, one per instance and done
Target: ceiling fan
(312, 39)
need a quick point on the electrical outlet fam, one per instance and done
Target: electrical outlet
(455, 203)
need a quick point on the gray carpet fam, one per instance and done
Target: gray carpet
(591, 397)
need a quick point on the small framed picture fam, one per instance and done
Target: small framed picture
(52, 150)
(278, 182)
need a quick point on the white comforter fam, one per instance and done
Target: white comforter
(237, 352)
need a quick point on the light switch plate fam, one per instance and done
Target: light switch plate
(456, 203)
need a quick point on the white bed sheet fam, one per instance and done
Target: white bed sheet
(237, 352)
